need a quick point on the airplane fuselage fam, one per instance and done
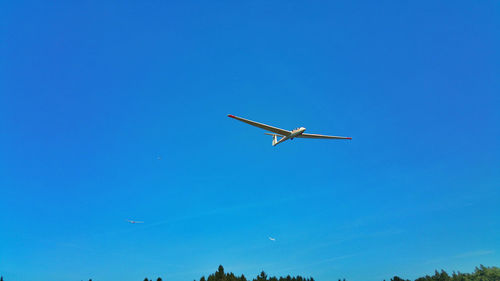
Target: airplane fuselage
(294, 133)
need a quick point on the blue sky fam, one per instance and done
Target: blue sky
(91, 94)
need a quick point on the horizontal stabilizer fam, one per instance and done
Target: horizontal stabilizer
(274, 134)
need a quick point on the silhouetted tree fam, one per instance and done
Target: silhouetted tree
(396, 278)
(159, 279)
(219, 275)
(261, 277)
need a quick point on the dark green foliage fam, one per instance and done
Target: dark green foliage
(261, 277)
(159, 279)
(220, 275)
(481, 273)
(396, 278)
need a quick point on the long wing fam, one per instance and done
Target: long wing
(316, 136)
(262, 126)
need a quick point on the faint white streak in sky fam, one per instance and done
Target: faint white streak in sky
(350, 237)
(194, 216)
(386, 215)
(220, 211)
(461, 256)
(327, 260)
(474, 254)
(333, 259)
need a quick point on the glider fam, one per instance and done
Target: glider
(135, 221)
(285, 134)
(272, 239)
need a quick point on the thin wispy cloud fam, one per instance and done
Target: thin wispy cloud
(323, 261)
(474, 254)
(224, 210)
(470, 254)
(337, 258)
(194, 216)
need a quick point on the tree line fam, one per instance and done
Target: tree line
(481, 273)
(220, 275)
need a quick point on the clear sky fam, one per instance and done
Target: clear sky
(118, 110)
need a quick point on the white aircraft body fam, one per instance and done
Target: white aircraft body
(285, 134)
(272, 239)
(130, 221)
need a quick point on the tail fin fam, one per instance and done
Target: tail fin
(275, 139)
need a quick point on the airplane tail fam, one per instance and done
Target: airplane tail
(275, 138)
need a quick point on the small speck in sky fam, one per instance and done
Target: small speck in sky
(133, 222)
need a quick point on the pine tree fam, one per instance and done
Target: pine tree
(221, 269)
(219, 275)
(397, 278)
(262, 277)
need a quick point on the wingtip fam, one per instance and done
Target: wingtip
(349, 138)
(230, 115)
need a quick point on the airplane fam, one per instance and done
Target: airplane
(285, 134)
(135, 221)
(272, 239)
